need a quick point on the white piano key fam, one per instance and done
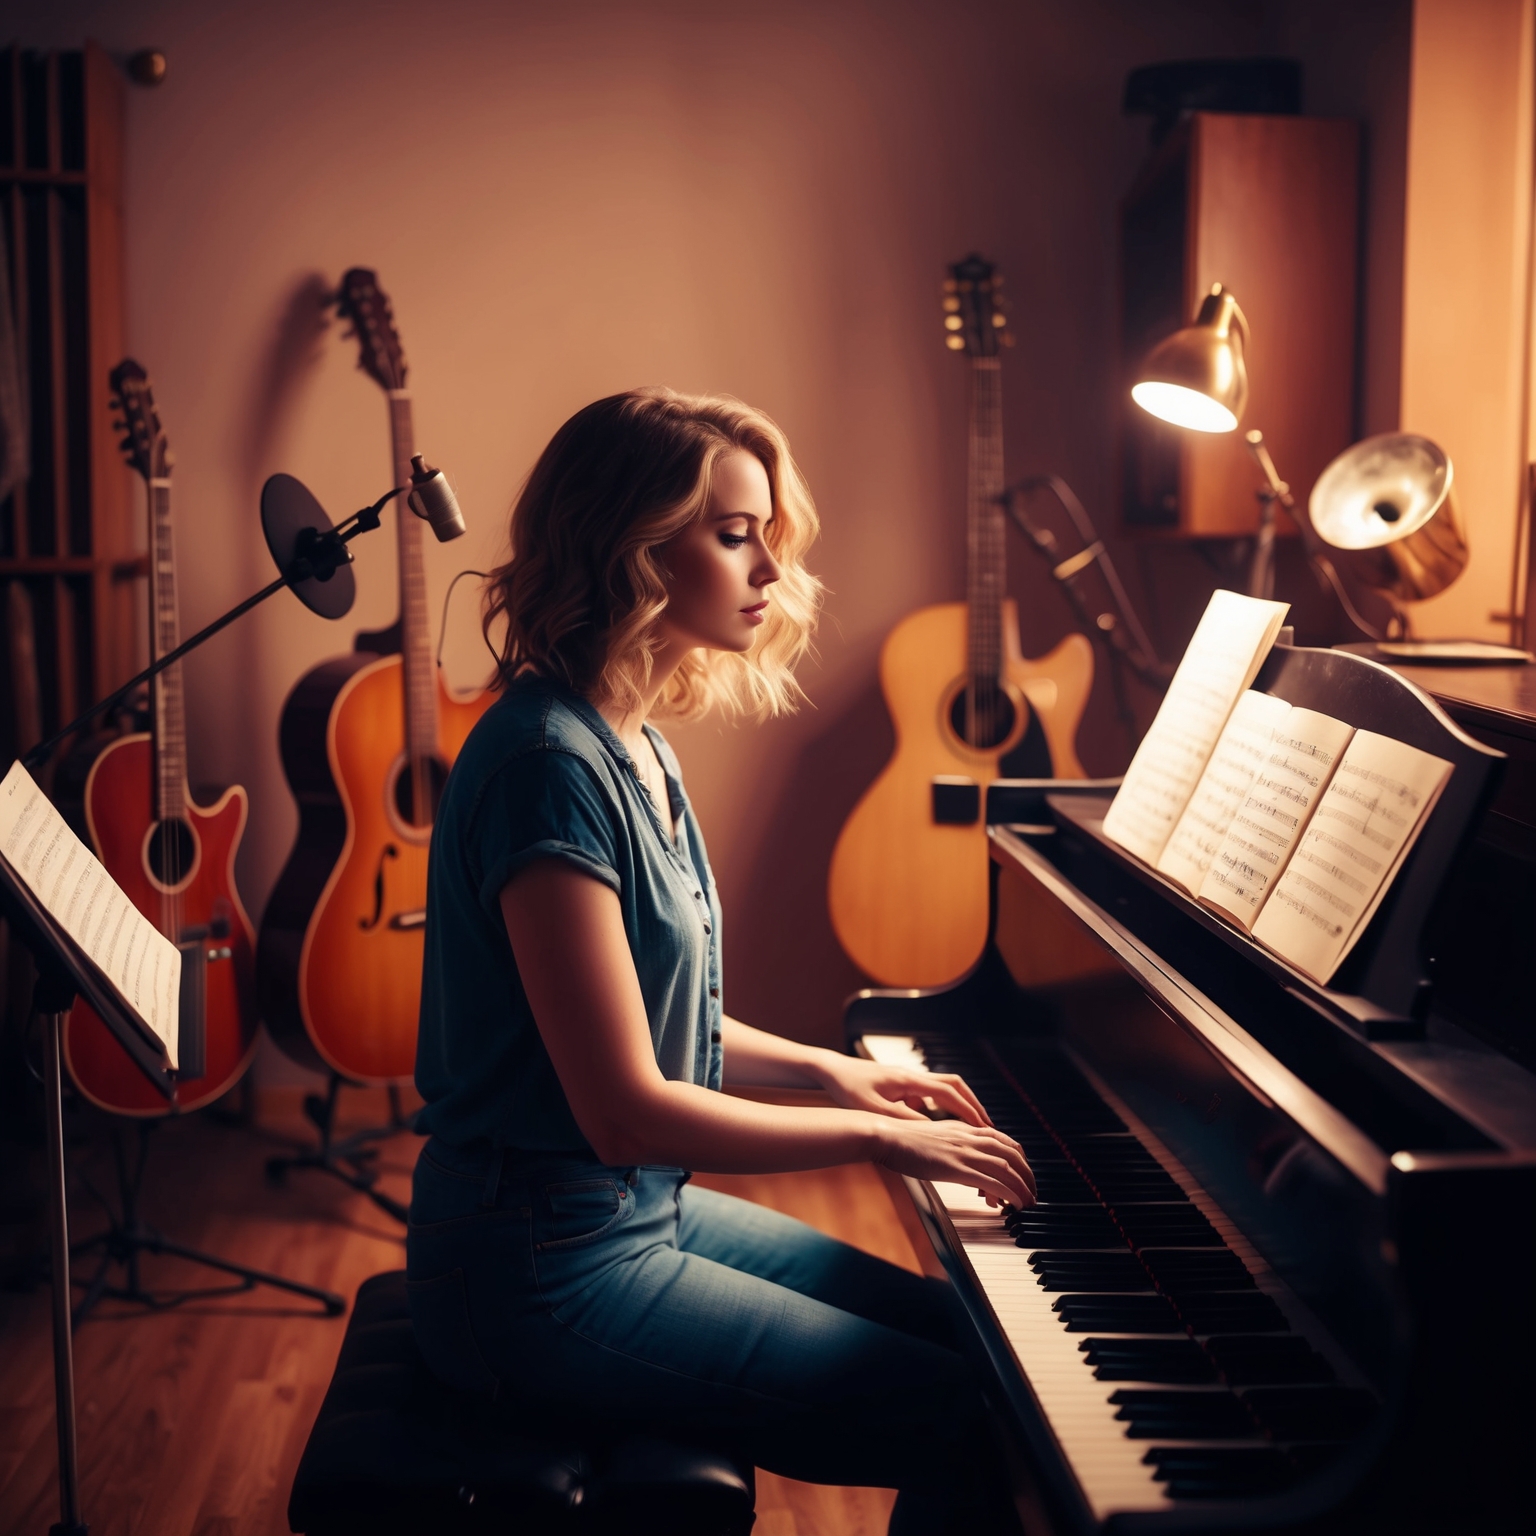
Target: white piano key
(1076, 1404)
(962, 1200)
(894, 1051)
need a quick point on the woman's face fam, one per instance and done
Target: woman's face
(719, 568)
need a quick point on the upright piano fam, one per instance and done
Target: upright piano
(1282, 1271)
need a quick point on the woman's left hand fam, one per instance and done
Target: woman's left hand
(899, 1091)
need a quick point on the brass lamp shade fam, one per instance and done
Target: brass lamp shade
(1388, 500)
(1196, 378)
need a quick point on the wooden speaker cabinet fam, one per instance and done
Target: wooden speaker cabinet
(1269, 207)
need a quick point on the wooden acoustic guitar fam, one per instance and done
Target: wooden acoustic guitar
(366, 741)
(908, 892)
(174, 858)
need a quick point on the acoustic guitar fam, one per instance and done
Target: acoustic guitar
(173, 857)
(907, 889)
(366, 740)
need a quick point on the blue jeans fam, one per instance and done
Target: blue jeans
(625, 1297)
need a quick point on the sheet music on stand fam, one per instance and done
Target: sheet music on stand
(87, 940)
(145, 987)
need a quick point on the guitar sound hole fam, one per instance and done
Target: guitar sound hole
(171, 851)
(405, 799)
(1001, 723)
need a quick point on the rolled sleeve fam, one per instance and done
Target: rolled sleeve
(543, 804)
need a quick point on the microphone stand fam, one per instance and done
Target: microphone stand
(318, 554)
(1121, 633)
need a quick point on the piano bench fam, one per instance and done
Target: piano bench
(394, 1452)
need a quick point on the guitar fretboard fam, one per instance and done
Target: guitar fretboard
(166, 702)
(415, 622)
(986, 555)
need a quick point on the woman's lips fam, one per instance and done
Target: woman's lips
(755, 612)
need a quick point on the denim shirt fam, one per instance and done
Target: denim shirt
(542, 775)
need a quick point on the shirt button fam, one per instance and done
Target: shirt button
(715, 1036)
(714, 991)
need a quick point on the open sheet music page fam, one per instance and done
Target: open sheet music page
(88, 904)
(1288, 787)
(1225, 654)
(1363, 828)
(1223, 787)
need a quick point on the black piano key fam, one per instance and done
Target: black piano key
(1090, 1271)
(1117, 1314)
(1273, 1359)
(1153, 1413)
(1184, 1270)
(1169, 1360)
(1311, 1413)
(1220, 1472)
(1231, 1312)
(1166, 1226)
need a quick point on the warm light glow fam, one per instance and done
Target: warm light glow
(1183, 407)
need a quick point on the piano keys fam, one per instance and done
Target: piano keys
(1283, 1263)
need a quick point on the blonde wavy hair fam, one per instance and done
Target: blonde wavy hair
(586, 579)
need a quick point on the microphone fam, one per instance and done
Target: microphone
(432, 499)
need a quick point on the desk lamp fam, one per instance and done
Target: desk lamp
(1197, 379)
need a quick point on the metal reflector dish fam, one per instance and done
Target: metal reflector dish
(1389, 500)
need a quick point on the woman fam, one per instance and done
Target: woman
(573, 1037)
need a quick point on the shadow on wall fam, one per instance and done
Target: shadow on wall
(292, 354)
(793, 976)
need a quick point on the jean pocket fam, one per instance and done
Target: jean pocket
(445, 1335)
(581, 1212)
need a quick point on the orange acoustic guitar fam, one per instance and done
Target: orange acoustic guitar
(175, 859)
(908, 892)
(366, 741)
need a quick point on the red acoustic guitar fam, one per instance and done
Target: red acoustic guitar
(174, 858)
(366, 741)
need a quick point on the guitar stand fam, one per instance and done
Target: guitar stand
(352, 1159)
(127, 1237)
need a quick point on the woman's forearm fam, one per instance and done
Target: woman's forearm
(685, 1126)
(756, 1059)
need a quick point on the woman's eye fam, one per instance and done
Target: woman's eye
(733, 540)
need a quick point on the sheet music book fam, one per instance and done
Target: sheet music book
(1304, 749)
(1373, 809)
(140, 966)
(1239, 752)
(1293, 825)
(1224, 656)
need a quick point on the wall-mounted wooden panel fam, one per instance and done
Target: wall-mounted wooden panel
(1269, 207)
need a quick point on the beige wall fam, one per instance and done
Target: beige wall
(567, 200)
(1466, 320)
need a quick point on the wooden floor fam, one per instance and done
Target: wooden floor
(192, 1419)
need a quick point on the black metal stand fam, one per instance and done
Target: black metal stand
(127, 1237)
(352, 1158)
(52, 997)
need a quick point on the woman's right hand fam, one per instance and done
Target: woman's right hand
(978, 1156)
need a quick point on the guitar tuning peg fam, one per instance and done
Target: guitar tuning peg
(1008, 338)
(954, 343)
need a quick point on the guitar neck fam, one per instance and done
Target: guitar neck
(167, 707)
(986, 554)
(415, 622)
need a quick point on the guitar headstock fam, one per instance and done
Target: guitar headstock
(975, 316)
(144, 442)
(365, 304)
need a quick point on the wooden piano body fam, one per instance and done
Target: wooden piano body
(1283, 1271)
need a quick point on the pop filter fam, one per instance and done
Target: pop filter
(290, 515)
